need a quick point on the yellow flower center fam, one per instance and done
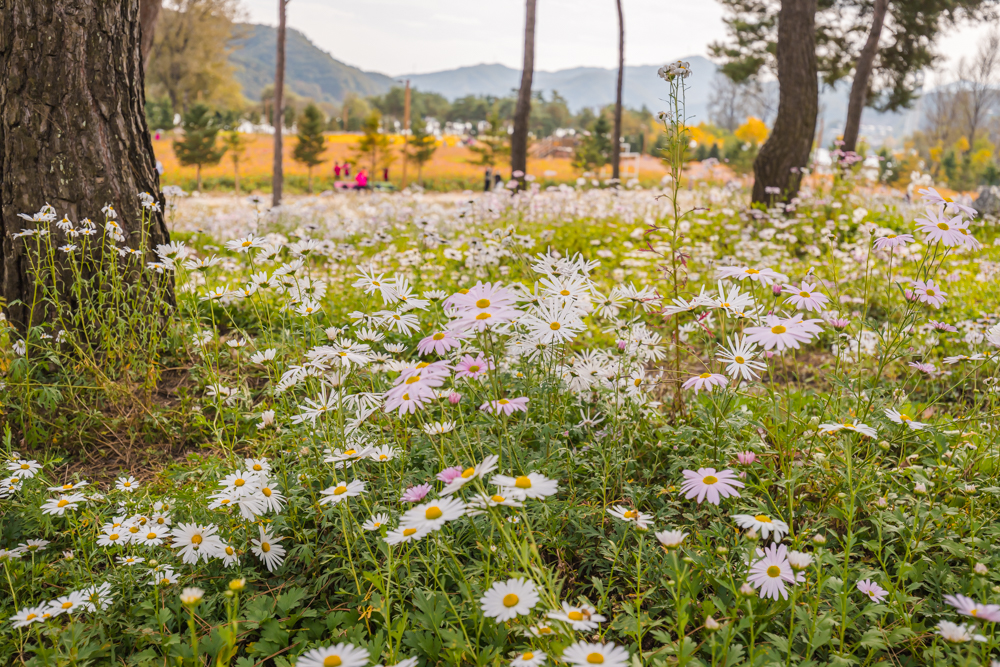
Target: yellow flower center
(739, 360)
(595, 658)
(709, 479)
(528, 656)
(24, 466)
(804, 295)
(340, 490)
(350, 452)
(474, 368)
(433, 512)
(406, 397)
(763, 518)
(943, 225)
(510, 600)
(438, 336)
(257, 467)
(422, 364)
(483, 303)
(265, 547)
(705, 376)
(483, 316)
(332, 661)
(67, 487)
(409, 531)
(67, 605)
(503, 401)
(31, 617)
(544, 630)
(929, 292)
(229, 551)
(631, 514)
(564, 292)
(412, 379)
(113, 536)
(62, 503)
(779, 329)
(382, 457)
(890, 236)
(196, 539)
(497, 499)
(905, 418)
(555, 326)
(468, 472)
(522, 482)
(239, 482)
(266, 491)
(164, 580)
(752, 271)
(133, 529)
(150, 536)
(773, 571)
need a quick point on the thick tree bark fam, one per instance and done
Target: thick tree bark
(522, 112)
(786, 151)
(278, 178)
(616, 145)
(72, 125)
(862, 73)
(149, 12)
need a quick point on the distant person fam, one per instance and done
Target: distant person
(336, 170)
(159, 168)
(385, 173)
(488, 180)
(497, 179)
(361, 180)
(347, 170)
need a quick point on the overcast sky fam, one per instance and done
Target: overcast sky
(416, 36)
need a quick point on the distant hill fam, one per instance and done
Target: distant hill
(311, 72)
(581, 86)
(314, 73)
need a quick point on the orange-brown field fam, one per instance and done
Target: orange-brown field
(450, 168)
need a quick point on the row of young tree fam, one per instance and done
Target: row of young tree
(209, 136)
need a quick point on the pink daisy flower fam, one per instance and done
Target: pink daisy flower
(923, 368)
(507, 406)
(805, 297)
(438, 342)
(472, 368)
(875, 592)
(783, 333)
(890, 241)
(934, 197)
(448, 474)
(408, 402)
(706, 381)
(942, 326)
(940, 228)
(969, 607)
(707, 483)
(746, 458)
(928, 293)
(415, 494)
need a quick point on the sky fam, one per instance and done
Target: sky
(397, 37)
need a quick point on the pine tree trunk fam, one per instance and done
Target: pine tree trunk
(197, 170)
(522, 112)
(862, 73)
(786, 151)
(149, 12)
(309, 184)
(72, 125)
(236, 176)
(616, 145)
(278, 179)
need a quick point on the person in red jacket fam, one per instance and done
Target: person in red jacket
(361, 180)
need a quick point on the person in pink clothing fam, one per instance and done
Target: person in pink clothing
(361, 180)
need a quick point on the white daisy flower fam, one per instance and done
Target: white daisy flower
(506, 600)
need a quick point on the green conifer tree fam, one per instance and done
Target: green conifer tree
(198, 146)
(421, 147)
(312, 143)
(594, 150)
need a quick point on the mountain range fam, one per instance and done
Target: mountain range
(314, 73)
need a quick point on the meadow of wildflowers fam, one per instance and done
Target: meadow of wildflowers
(566, 426)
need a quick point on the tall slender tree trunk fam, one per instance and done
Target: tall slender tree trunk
(236, 176)
(197, 171)
(862, 74)
(72, 126)
(522, 112)
(278, 179)
(149, 12)
(616, 143)
(309, 182)
(786, 151)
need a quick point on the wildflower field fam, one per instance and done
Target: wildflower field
(560, 426)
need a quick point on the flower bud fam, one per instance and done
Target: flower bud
(237, 585)
(454, 398)
(819, 539)
(711, 624)
(980, 568)
(747, 590)
(192, 596)
(919, 488)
